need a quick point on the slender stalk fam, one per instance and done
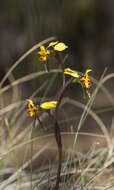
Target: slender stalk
(61, 94)
(41, 124)
(59, 144)
(46, 67)
(60, 61)
(31, 152)
(53, 117)
(57, 133)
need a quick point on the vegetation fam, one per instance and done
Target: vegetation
(43, 149)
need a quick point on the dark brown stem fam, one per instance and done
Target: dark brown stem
(59, 144)
(53, 118)
(58, 132)
(61, 94)
(58, 57)
(60, 61)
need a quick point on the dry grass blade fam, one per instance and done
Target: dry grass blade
(109, 163)
(104, 89)
(10, 107)
(94, 116)
(27, 78)
(15, 175)
(16, 147)
(23, 57)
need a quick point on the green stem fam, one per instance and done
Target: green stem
(41, 124)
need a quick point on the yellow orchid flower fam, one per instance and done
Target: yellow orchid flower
(53, 44)
(48, 105)
(60, 46)
(85, 79)
(73, 73)
(32, 109)
(44, 53)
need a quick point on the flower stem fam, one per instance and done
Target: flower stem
(59, 59)
(59, 144)
(53, 117)
(41, 124)
(61, 93)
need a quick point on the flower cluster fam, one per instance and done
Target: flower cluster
(83, 78)
(32, 109)
(54, 48)
(45, 52)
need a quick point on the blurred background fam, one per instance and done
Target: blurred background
(86, 26)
